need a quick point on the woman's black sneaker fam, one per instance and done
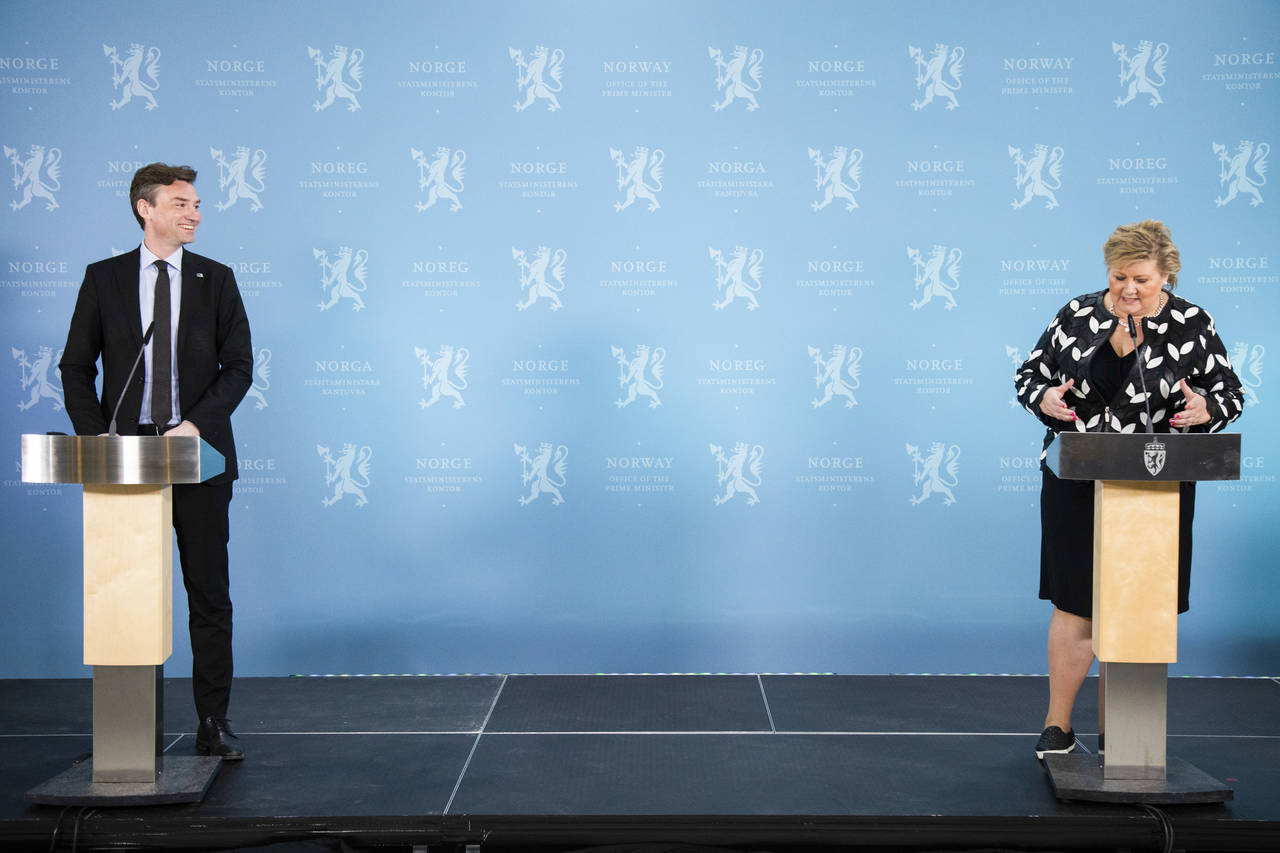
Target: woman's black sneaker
(1055, 740)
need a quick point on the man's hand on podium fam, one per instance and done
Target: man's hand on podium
(185, 428)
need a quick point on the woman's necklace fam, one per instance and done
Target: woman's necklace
(1111, 306)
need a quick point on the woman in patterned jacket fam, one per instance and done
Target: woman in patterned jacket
(1083, 375)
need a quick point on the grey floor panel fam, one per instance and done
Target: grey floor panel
(961, 703)
(359, 775)
(372, 704)
(31, 706)
(301, 775)
(1249, 765)
(27, 761)
(357, 704)
(933, 703)
(1224, 706)
(754, 775)
(626, 703)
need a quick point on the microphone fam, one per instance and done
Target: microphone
(146, 339)
(1146, 398)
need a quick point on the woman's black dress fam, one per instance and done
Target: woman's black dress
(1066, 516)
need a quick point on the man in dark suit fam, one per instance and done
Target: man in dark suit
(198, 366)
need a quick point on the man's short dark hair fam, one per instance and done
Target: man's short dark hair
(150, 178)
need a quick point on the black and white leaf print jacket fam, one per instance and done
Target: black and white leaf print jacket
(1178, 343)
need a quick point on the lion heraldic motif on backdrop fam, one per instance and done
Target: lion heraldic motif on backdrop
(332, 76)
(933, 278)
(262, 378)
(339, 473)
(533, 276)
(730, 275)
(640, 375)
(732, 475)
(844, 163)
(1247, 362)
(1030, 174)
(438, 374)
(841, 362)
(729, 76)
(35, 375)
(127, 74)
(335, 277)
(235, 176)
(441, 177)
(632, 174)
(930, 72)
(29, 175)
(536, 476)
(1133, 71)
(1235, 171)
(529, 79)
(928, 472)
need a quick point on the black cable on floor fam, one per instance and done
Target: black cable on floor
(1166, 826)
(84, 813)
(57, 827)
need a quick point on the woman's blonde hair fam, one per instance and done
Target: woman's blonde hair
(1143, 241)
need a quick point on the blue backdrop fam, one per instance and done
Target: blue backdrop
(643, 337)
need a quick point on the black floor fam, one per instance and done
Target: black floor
(743, 761)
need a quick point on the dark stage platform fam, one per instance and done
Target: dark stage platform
(769, 762)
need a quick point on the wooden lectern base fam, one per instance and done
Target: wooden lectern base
(1135, 571)
(128, 575)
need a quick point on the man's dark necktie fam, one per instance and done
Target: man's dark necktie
(161, 352)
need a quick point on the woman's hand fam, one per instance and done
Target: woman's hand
(1196, 411)
(1053, 404)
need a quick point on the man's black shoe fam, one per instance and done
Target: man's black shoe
(1055, 740)
(216, 738)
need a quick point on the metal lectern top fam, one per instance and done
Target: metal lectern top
(122, 460)
(1145, 457)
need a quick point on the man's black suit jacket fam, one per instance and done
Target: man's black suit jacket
(215, 356)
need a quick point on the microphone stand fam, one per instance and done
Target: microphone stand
(146, 339)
